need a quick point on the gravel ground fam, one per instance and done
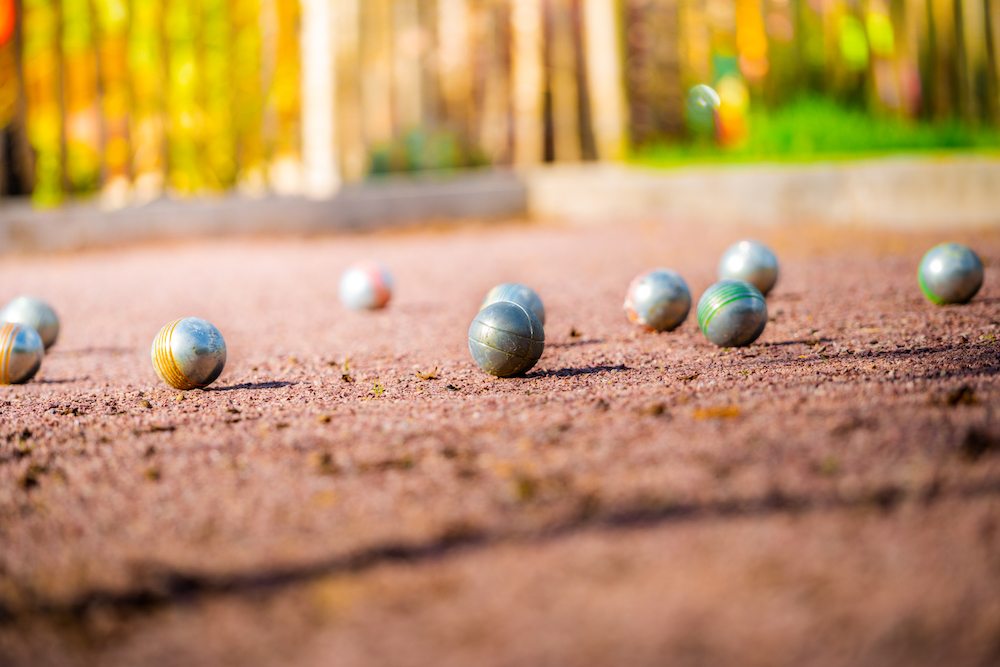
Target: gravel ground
(353, 490)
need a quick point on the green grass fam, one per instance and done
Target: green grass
(815, 128)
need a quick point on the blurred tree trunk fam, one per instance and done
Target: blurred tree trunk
(186, 119)
(973, 58)
(993, 55)
(912, 22)
(941, 46)
(284, 100)
(456, 56)
(44, 122)
(652, 67)
(528, 84)
(354, 157)
(376, 66)
(146, 69)
(564, 91)
(604, 62)
(80, 103)
(495, 118)
(218, 140)
(319, 159)
(694, 43)
(248, 105)
(407, 49)
(112, 22)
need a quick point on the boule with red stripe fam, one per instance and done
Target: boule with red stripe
(365, 285)
(657, 300)
(189, 353)
(732, 313)
(21, 352)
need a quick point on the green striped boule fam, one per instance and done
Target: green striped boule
(732, 313)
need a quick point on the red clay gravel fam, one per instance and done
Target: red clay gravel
(354, 491)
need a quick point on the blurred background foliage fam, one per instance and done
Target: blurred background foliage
(129, 100)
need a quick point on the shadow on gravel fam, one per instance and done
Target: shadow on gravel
(83, 351)
(63, 380)
(159, 586)
(804, 341)
(575, 343)
(570, 372)
(254, 385)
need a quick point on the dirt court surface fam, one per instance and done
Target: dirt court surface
(354, 491)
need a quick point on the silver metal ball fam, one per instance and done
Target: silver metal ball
(517, 293)
(658, 300)
(950, 273)
(365, 285)
(36, 314)
(21, 352)
(506, 339)
(751, 261)
(189, 353)
(732, 313)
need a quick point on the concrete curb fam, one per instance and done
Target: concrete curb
(905, 193)
(373, 205)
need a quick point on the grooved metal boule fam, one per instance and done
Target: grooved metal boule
(751, 261)
(21, 352)
(365, 285)
(189, 353)
(658, 300)
(950, 273)
(36, 313)
(518, 293)
(732, 313)
(506, 339)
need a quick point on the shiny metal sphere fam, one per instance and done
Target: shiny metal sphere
(518, 293)
(189, 353)
(751, 261)
(21, 352)
(950, 273)
(365, 285)
(658, 300)
(506, 339)
(36, 314)
(732, 313)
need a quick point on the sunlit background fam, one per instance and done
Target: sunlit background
(129, 101)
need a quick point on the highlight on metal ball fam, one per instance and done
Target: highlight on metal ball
(950, 273)
(751, 261)
(189, 353)
(21, 352)
(518, 293)
(657, 300)
(506, 339)
(36, 313)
